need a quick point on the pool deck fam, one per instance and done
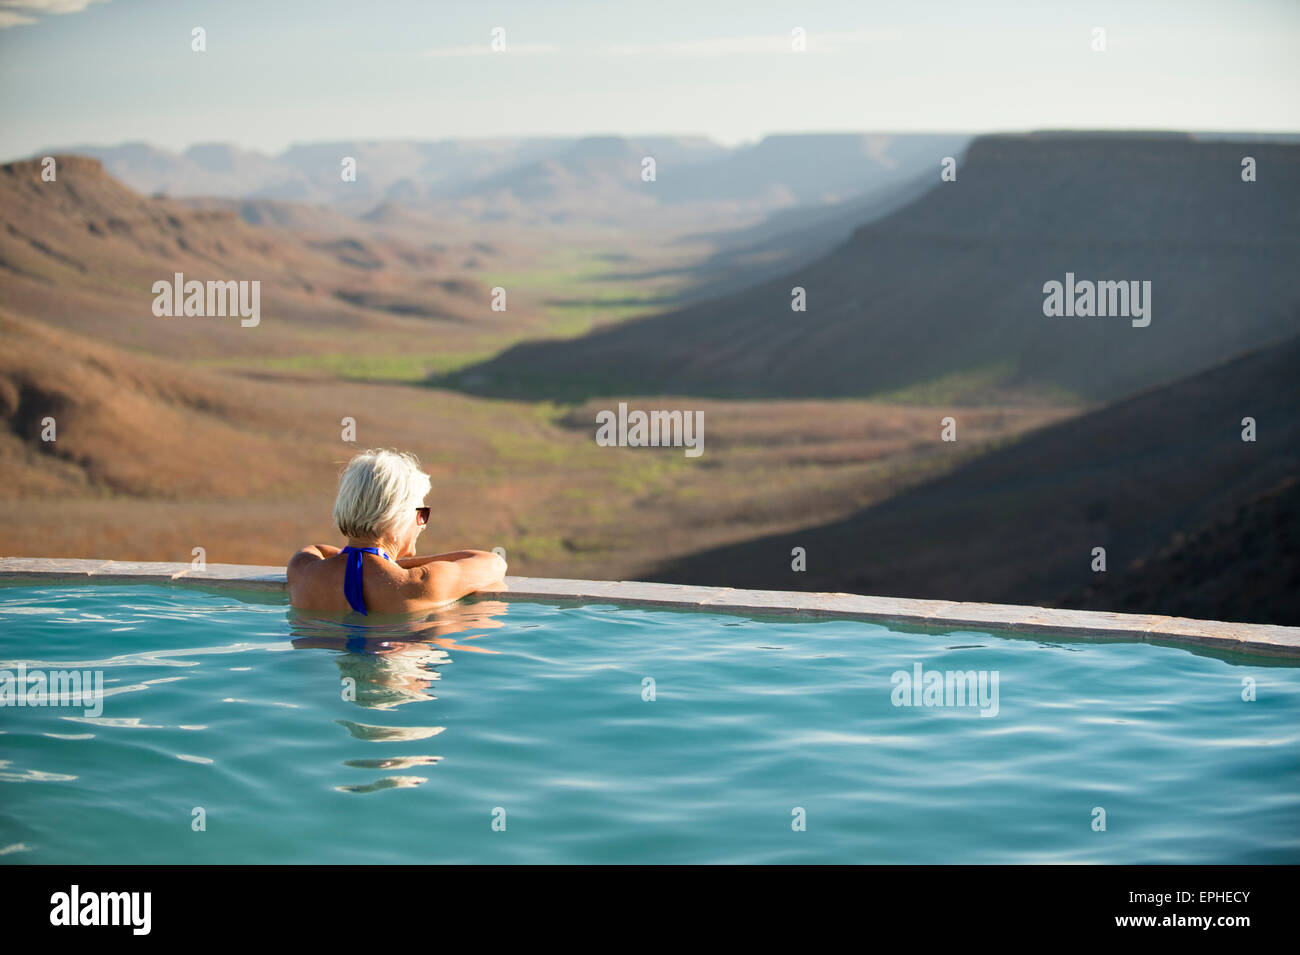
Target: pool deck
(946, 614)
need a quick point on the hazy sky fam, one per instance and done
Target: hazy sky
(281, 71)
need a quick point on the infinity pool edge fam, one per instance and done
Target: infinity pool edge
(1265, 639)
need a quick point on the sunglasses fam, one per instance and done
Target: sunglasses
(422, 515)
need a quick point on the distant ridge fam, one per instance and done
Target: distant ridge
(565, 174)
(948, 290)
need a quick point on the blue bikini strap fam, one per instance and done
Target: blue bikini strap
(352, 575)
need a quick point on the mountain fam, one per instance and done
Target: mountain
(211, 169)
(395, 169)
(591, 178)
(187, 430)
(83, 253)
(815, 168)
(1242, 565)
(946, 294)
(1194, 520)
(281, 213)
(309, 171)
(780, 170)
(791, 238)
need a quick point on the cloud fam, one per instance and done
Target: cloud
(756, 43)
(707, 47)
(484, 49)
(14, 13)
(49, 6)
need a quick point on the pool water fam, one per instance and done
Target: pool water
(233, 730)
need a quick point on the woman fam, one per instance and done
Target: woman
(381, 511)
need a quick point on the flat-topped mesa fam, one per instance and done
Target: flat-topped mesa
(70, 188)
(63, 162)
(947, 288)
(1073, 145)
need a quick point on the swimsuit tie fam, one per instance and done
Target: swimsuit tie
(352, 575)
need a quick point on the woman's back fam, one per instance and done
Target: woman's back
(319, 582)
(319, 585)
(380, 509)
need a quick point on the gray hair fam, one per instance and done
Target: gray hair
(375, 488)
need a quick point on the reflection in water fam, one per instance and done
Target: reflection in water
(388, 734)
(396, 762)
(388, 782)
(389, 660)
(392, 659)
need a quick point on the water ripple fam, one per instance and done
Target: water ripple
(235, 708)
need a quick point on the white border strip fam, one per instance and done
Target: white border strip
(1244, 637)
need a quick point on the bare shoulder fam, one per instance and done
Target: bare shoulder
(448, 577)
(308, 556)
(309, 569)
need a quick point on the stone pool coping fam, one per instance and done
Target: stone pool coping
(1243, 637)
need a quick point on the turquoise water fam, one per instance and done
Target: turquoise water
(536, 716)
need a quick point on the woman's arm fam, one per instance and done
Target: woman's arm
(448, 577)
(409, 562)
